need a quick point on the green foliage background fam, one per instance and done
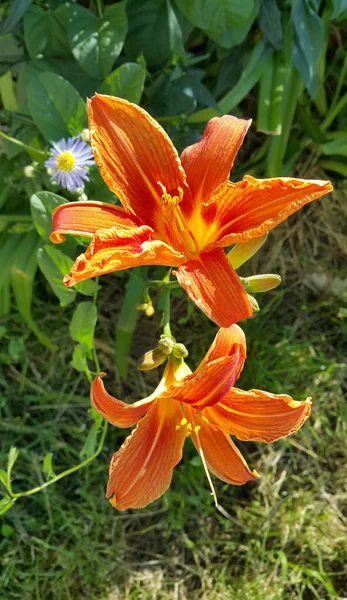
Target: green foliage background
(284, 63)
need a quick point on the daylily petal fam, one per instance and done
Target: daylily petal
(134, 153)
(222, 457)
(208, 163)
(85, 218)
(216, 373)
(116, 249)
(141, 471)
(257, 415)
(238, 212)
(225, 343)
(211, 282)
(115, 411)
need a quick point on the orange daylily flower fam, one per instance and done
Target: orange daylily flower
(178, 211)
(202, 405)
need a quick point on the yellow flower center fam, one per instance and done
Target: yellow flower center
(65, 161)
(178, 231)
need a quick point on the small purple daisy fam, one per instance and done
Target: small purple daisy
(68, 161)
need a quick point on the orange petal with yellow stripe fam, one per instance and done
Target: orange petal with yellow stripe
(134, 153)
(248, 209)
(141, 471)
(116, 249)
(216, 373)
(208, 162)
(115, 411)
(85, 218)
(211, 282)
(258, 416)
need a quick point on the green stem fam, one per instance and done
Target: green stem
(165, 299)
(14, 217)
(22, 145)
(100, 7)
(158, 284)
(64, 473)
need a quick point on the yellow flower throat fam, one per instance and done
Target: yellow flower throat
(178, 232)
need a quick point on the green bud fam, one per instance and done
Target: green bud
(254, 303)
(151, 360)
(179, 351)
(261, 283)
(243, 251)
(165, 345)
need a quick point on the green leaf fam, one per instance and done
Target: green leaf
(153, 30)
(3, 478)
(54, 274)
(83, 324)
(79, 358)
(226, 22)
(338, 146)
(42, 205)
(125, 82)
(270, 22)
(47, 466)
(308, 43)
(7, 93)
(89, 445)
(23, 271)
(97, 41)
(127, 321)
(46, 31)
(339, 7)
(55, 106)
(256, 63)
(64, 264)
(11, 459)
(17, 10)
(6, 503)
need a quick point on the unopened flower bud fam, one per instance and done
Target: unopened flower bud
(151, 360)
(261, 283)
(179, 351)
(166, 345)
(50, 171)
(149, 310)
(29, 171)
(85, 135)
(254, 303)
(243, 251)
(82, 198)
(142, 306)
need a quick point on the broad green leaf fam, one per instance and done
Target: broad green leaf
(54, 276)
(308, 43)
(338, 146)
(42, 205)
(83, 324)
(79, 358)
(47, 466)
(153, 30)
(226, 22)
(7, 93)
(339, 9)
(270, 22)
(127, 321)
(125, 82)
(67, 68)
(55, 106)
(17, 10)
(97, 41)
(11, 459)
(46, 31)
(64, 264)
(5, 504)
(251, 73)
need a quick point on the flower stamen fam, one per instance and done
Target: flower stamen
(65, 161)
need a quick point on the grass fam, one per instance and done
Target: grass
(287, 534)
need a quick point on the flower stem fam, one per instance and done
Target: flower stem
(165, 301)
(64, 473)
